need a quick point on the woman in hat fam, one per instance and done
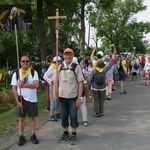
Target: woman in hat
(54, 108)
(99, 87)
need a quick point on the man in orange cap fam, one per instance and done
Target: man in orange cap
(69, 95)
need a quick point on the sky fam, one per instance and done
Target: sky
(145, 15)
(141, 16)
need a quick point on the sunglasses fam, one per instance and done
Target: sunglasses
(27, 61)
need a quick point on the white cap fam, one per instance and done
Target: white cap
(75, 60)
(100, 53)
(54, 59)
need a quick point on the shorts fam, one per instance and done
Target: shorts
(134, 74)
(122, 76)
(29, 108)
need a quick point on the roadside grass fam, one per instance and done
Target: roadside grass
(9, 119)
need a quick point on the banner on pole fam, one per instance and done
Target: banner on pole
(15, 14)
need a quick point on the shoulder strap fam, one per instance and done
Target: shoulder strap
(74, 65)
(17, 75)
(32, 72)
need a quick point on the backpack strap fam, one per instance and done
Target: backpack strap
(74, 65)
(17, 75)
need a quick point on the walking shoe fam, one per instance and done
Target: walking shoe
(73, 140)
(113, 88)
(102, 114)
(109, 98)
(123, 92)
(22, 140)
(64, 137)
(53, 118)
(85, 123)
(58, 115)
(97, 115)
(34, 139)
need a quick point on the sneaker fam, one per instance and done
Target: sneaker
(53, 118)
(22, 140)
(47, 110)
(64, 138)
(113, 88)
(123, 92)
(109, 98)
(58, 115)
(85, 123)
(73, 140)
(34, 139)
(102, 114)
(97, 115)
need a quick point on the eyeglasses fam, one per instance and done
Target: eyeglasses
(27, 61)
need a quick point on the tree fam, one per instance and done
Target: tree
(116, 22)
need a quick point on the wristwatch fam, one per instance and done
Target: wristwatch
(80, 98)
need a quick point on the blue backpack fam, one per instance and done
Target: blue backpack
(136, 66)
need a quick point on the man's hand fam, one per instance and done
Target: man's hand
(56, 100)
(78, 102)
(19, 105)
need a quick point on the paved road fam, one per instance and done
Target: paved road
(125, 126)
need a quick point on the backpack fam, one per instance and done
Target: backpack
(74, 65)
(44, 69)
(120, 68)
(99, 77)
(136, 66)
(17, 76)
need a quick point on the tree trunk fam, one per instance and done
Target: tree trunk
(42, 44)
(52, 36)
(82, 36)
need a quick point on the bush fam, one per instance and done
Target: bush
(7, 99)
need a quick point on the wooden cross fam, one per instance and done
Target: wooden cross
(57, 17)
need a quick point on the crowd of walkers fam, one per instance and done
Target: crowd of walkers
(71, 83)
(115, 68)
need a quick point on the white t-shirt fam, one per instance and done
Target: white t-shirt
(147, 65)
(28, 94)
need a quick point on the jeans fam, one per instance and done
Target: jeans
(53, 105)
(68, 109)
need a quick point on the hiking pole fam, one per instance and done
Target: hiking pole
(18, 64)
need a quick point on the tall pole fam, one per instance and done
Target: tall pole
(57, 17)
(18, 64)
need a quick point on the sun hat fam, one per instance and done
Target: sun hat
(100, 53)
(54, 59)
(100, 64)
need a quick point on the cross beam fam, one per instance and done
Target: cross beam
(57, 17)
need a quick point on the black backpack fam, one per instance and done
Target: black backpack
(99, 77)
(120, 68)
(74, 65)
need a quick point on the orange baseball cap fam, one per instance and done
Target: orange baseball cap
(68, 50)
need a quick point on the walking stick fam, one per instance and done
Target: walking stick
(18, 64)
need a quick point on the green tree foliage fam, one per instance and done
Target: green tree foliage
(117, 25)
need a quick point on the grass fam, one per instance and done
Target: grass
(9, 119)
